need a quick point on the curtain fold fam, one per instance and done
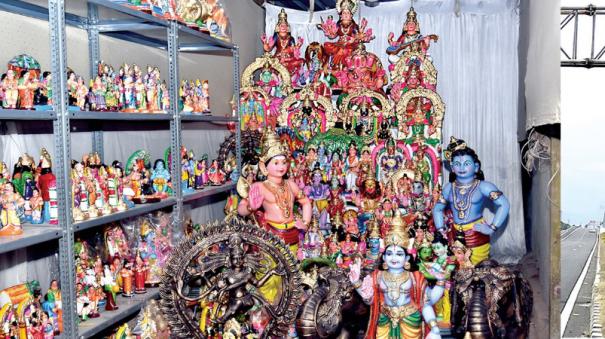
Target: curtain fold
(477, 60)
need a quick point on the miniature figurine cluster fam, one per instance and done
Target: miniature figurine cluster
(26, 313)
(128, 90)
(150, 324)
(195, 97)
(349, 177)
(207, 16)
(23, 86)
(29, 194)
(124, 259)
(99, 189)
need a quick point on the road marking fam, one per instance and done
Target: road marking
(569, 233)
(566, 313)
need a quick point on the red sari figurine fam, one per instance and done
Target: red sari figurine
(140, 275)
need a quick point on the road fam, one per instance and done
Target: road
(576, 245)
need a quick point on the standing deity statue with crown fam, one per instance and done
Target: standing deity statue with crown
(467, 194)
(399, 299)
(276, 195)
(287, 49)
(346, 32)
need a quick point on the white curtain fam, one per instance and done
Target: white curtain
(543, 77)
(477, 60)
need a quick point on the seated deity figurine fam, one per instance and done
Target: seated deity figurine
(346, 32)
(287, 49)
(368, 199)
(11, 202)
(312, 242)
(276, 195)
(399, 299)
(160, 177)
(410, 39)
(466, 194)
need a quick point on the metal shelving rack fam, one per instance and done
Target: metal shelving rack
(136, 27)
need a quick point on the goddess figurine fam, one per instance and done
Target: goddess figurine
(286, 49)
(276, 195)
(26, 88)
(10, 88)
(201, 172)
(410, 39)
(351, 168)
(346, 31)
(399, 299)
(140, 274)
(215, 174)
(466, 194)
(11, 201)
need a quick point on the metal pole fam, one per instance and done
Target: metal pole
(56, 22)
(94, 57)
(175, 123)
(575, 37)
(238, 131)
(594, 22)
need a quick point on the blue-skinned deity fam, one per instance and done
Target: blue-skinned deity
(466, 195)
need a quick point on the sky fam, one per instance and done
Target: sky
(583, 127)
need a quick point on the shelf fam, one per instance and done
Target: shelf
(32, 235)
(144, 19)
(211, 118)
(19, 114)
(38, 12)
(120, 116)
(207, 192)
(127, 307)
(201, 41)
(137, 210)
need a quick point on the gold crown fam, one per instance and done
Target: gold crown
(457, 245)
(44, 154)
(350, 5)
(411, 16)
(454, 145)
(282, 18)
(397, 235)
(373, 228)
(271, 146)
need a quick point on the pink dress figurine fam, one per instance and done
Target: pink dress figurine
(215, 174)
(10, 88)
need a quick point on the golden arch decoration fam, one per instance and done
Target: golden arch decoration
(328, 117)
(384, 102)
(438, 107)
(429, 70)
(267, 61)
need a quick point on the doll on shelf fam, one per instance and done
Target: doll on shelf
(11, 202)
(216, 175)
(10, 88)
(140, 274)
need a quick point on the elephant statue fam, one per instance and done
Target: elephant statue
(331, 305)
(490, 301)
